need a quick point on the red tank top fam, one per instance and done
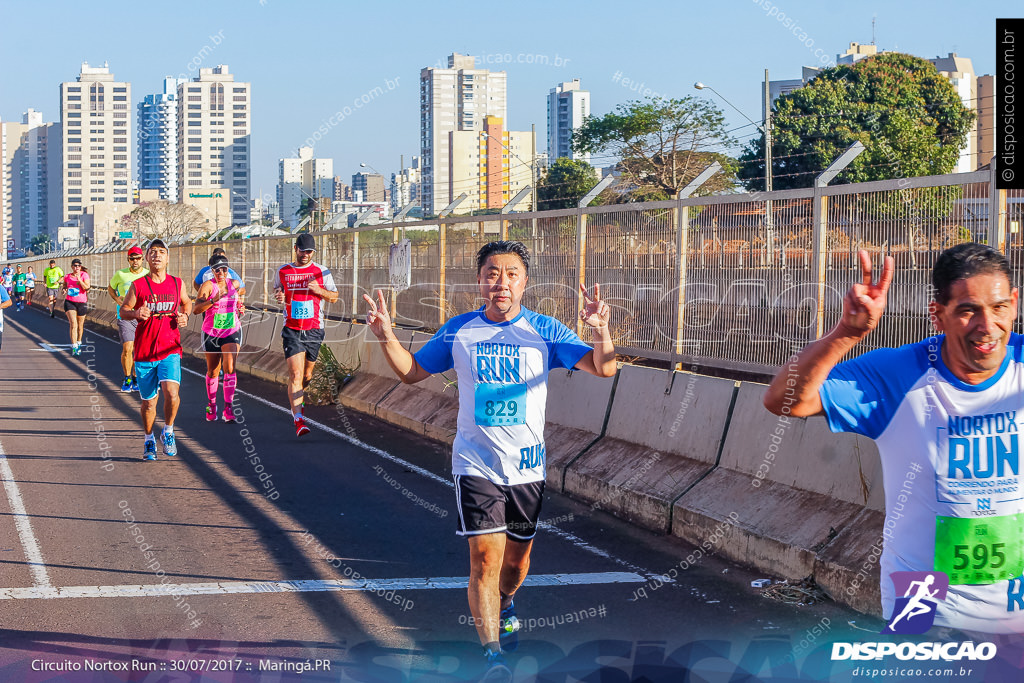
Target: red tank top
(157, 337)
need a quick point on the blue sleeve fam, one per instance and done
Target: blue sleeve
(199, 276)
(863, 394)
(565, 348)
(436, 355)
(234, 276)
(3, 295)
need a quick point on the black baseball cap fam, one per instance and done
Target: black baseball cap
(218, 261)
(77, 260)
(305, 242)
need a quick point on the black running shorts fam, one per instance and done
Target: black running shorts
(302, 341)
(487, 508)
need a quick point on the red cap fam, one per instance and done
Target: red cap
(135, 250)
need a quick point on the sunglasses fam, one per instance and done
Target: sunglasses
(305, 251)
(222, 269)
(137, 257)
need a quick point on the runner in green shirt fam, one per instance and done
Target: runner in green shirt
(53, 277)
(20, 282)
(118, 287)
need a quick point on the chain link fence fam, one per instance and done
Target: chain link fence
(733, 281)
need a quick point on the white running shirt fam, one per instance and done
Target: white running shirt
(954, 491)
(502, 370)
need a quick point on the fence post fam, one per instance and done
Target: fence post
(266, 271)
(682, 247)
(442, 248)
(355, 275)
(394, 292)
(996, 211)
(820, 238)
(819, 244)
(581, 243)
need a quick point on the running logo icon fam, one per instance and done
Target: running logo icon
(914, 613)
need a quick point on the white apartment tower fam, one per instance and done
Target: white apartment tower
(214, 127)
(568, 105)
(303, 177)
(27, 170)
(95, 146)
(458, 98)
(158, 141)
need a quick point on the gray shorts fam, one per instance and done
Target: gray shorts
(126, 328)
(51, 291)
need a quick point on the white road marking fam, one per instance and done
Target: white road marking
(305, 586)
(23, 525)
(561, 533)
(53, 348)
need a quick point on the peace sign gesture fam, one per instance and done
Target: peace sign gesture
(864, 303)
(377, 317)
(595, 312)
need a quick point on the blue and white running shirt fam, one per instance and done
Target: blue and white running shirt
(502, 370)
(954, 494)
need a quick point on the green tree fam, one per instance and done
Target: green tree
(36, 245)
(306, 207)
(661, 144)
(566, 181)
(908, 116)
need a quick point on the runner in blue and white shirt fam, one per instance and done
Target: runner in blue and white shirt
(502, 354)
(947, 415)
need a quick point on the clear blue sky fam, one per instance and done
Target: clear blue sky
(309, 59)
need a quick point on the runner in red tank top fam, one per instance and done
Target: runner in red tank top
(161, 305)
(305, 288)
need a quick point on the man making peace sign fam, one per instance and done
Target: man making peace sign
(946, 414)
(502, 354)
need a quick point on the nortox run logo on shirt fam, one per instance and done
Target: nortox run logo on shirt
(983, 458)
(497, 363)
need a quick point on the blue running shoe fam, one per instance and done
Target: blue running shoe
(497, 669)
(508, 629)
(126, 385)
(149, 452)
(170, 447)
(135, 384)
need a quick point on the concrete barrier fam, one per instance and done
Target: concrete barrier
(430, 407)
(783, 489)
(270, 363)
(577, 408)
(375, 378)
(656, 445)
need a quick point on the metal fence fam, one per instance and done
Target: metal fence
(760, 274)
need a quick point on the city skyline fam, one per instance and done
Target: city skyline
(353, 116)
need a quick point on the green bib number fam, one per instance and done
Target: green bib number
(978, 551)
(223, 321)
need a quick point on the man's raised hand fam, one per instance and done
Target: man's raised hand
(864, 304)
(377, 316)
(595, 312)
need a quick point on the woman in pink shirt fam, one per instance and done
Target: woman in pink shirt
(220, 303)
(76, 303)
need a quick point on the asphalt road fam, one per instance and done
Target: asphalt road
(335, 552)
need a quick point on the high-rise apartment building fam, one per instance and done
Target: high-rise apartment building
(406, 184)
(960, 72)
(95, 143)
(455, 99)
(568, 105)
(214, 127)
(491, 166)
(370, 184)
(26, 169)
(158, 141)
(342, 192)
(303, 177)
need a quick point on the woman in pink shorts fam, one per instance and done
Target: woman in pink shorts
(220, 303)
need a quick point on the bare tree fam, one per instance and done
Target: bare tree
(161, 218)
